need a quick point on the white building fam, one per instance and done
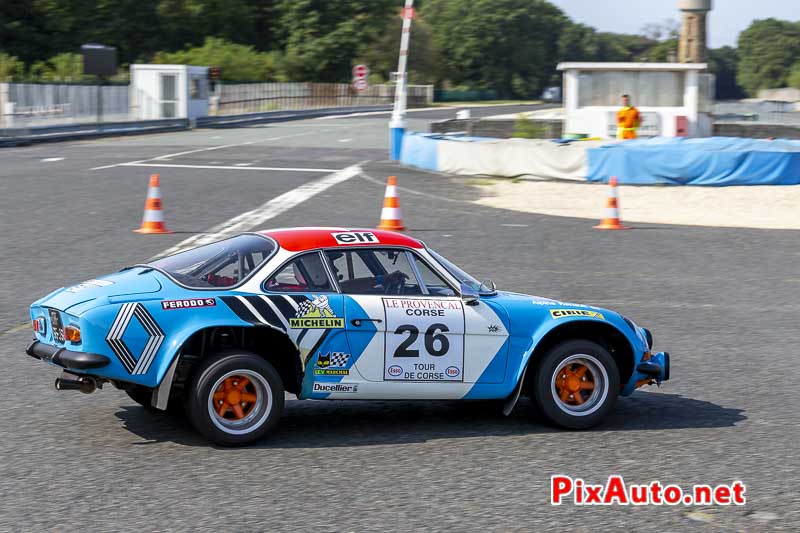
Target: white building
(169, 91)
(673, 99)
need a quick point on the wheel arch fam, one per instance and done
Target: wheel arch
(601, 332)
(270, 343)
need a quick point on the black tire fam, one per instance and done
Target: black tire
(594, 404)
(141, 395)
(263, 383)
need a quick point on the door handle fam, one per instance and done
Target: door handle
(357, 321)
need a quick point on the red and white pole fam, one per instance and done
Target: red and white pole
(397, 124)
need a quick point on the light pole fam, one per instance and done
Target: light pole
(397, 124)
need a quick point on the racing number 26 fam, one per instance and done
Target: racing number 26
(433, 335)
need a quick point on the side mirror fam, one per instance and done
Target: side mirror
(469, 295)
(488, 287)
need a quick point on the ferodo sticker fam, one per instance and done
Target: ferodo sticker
(355, 237)
(188, 304)
(424, 339)
(563, 313)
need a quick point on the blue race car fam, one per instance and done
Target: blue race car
(225, 329)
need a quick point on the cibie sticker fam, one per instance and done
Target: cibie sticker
(424, 339)
(90, 283)
(193, 303)
(355, 237)
(316, 314)
(563, 313)
(335, 387)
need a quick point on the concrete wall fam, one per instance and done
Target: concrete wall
(756, 130)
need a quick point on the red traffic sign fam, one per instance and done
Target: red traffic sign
(360, 71)
(360, 85)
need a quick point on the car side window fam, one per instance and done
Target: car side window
(433, 282)
(374, 271)
(304, 274)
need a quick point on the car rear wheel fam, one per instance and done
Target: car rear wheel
(576, 384)
(234, 399)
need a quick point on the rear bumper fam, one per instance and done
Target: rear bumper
(66, 358)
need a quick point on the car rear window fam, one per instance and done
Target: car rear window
(220, 264)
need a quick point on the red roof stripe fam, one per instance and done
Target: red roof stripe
(299, 239)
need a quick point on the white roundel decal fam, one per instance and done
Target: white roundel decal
(424, 339)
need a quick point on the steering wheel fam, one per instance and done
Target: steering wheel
(395, 287)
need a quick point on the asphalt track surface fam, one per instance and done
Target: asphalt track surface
(724, 302)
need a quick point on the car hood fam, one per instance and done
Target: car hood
(102, 290)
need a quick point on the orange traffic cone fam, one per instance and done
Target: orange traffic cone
(611, 218)
(391, 215)
(153, 219)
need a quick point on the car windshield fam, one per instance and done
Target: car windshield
(220, 264)
(456, 272)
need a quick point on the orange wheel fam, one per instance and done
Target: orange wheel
(579, 384)
(236, 400)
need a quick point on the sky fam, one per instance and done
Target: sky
(727, 19)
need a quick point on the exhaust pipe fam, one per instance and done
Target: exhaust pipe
(69, 381)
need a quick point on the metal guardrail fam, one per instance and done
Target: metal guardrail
(18, 136)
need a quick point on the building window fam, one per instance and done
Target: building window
(647, 88)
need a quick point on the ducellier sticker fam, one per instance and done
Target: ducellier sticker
(316, 314)
(563, 313)
(193, 303)
(335, 387)
(332, 364)
(88, 284)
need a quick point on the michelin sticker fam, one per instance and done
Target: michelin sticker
(424, 339)
(316, 314)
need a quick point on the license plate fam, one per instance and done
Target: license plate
(58, 327)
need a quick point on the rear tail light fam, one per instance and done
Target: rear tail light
(39, 325)
(72, 333)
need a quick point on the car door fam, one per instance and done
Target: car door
(409, 339)
(303, 297)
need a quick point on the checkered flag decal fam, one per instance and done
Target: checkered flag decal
(304, 308)
(339, 359)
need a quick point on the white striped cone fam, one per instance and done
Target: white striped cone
(153, 219)
(611, 219)
(391, 214)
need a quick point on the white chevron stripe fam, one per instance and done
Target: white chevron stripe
(252, 309)
(277, 312)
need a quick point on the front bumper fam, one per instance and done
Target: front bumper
(657, 367)
(66, 358)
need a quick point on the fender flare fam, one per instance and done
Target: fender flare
(550, 333)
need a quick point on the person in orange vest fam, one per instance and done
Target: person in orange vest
(627, 119)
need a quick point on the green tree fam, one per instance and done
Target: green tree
(11, 68)
(510, 46)
(767, 49)
(237, 62)
(723, 63)
(322, 39)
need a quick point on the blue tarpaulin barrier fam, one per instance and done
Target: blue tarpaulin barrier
(708, 161)
(419, 150)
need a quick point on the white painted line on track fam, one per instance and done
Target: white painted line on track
(52, 159)
(207, 149)
(271, 209)
(224, 167)
(345, 140)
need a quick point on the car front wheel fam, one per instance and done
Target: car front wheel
(234, 399)
(576, 384)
